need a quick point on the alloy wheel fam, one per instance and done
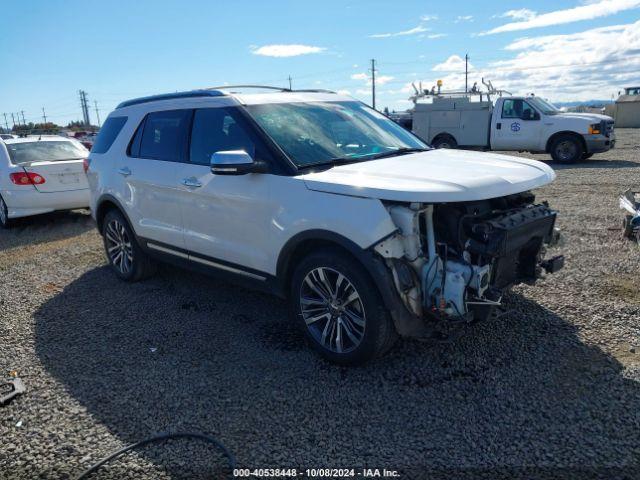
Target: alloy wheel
(332, 310)
(119, 248)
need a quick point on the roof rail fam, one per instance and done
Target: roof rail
(169, 96)
(269, 87)
(266, 87)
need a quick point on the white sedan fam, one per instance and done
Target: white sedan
(40, 175)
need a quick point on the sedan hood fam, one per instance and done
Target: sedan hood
(435, 176)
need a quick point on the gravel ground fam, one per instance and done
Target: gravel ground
(548, 390)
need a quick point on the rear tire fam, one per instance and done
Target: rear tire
(338, 306)
(5, 222)
(444, 141)
(125, 256)
(567, 149)
(587, 156)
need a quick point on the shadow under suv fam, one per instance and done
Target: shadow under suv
(320, 199)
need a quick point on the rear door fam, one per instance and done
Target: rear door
(149, 175)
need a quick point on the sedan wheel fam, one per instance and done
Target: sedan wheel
(332, 310)
(119, 248)
(4, 215)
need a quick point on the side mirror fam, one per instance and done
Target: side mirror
(235, 162)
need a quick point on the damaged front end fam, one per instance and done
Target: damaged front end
(452, 262)
(630, 202)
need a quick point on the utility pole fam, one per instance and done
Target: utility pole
(290, 83)
(13, 120)
(95, 103)
(44, 115)
(6, 124)
(23, 121)
(373, 83)
(85, 108)
(466, 73)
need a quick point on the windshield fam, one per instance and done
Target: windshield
(544, 106)
(37, 151)
(332, 132)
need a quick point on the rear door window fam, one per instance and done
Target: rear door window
(164, 135)
(108, 134)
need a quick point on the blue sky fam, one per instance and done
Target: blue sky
(563, 50)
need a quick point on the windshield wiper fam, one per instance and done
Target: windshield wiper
(398, 151)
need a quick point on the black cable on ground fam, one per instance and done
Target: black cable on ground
(159, 438)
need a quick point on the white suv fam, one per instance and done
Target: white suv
(318, 198)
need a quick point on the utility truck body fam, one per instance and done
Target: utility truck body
(511, 123)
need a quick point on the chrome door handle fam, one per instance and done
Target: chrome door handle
(124, 171)
(191, 182)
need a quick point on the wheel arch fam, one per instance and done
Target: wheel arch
(103, 205)
(302, 243)
(571, 133)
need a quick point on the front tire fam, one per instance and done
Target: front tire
(5, 222)
(567, 149)
(340, 309)
(444, 141)
(128, 261)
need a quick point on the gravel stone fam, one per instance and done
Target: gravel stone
(549, 389)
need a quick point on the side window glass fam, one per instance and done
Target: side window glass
(134, 145)
(216, 130)
(512, 108)
(164, 135)
(528, 112)
(108, 133)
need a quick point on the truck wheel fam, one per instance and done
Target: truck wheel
(340, 309)
(566, 149)
(444, 141)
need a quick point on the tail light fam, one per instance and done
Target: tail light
(27, 178)
(85, 164)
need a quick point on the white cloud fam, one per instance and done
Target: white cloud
(464, 18)
(286, 50)
(428, 18)
(382, 79)
(520, 14)
(411, 31)
(344, 92)
(436, 35)
(530, 19)
(454, 63)
(592, 64)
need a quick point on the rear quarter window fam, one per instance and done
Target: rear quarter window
(108, 134)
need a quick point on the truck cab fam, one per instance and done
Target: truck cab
(510, 123)
(535, 125)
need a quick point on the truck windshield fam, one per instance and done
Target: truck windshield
(313, 133)
(28, 152)
(544, 106)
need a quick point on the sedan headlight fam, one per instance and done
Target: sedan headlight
(595, 129)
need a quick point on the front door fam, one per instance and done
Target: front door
(517, 126)
(226, 217)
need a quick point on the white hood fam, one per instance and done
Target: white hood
(435, 176)
(594, 117)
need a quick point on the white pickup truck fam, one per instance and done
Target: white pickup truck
(513, 123)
